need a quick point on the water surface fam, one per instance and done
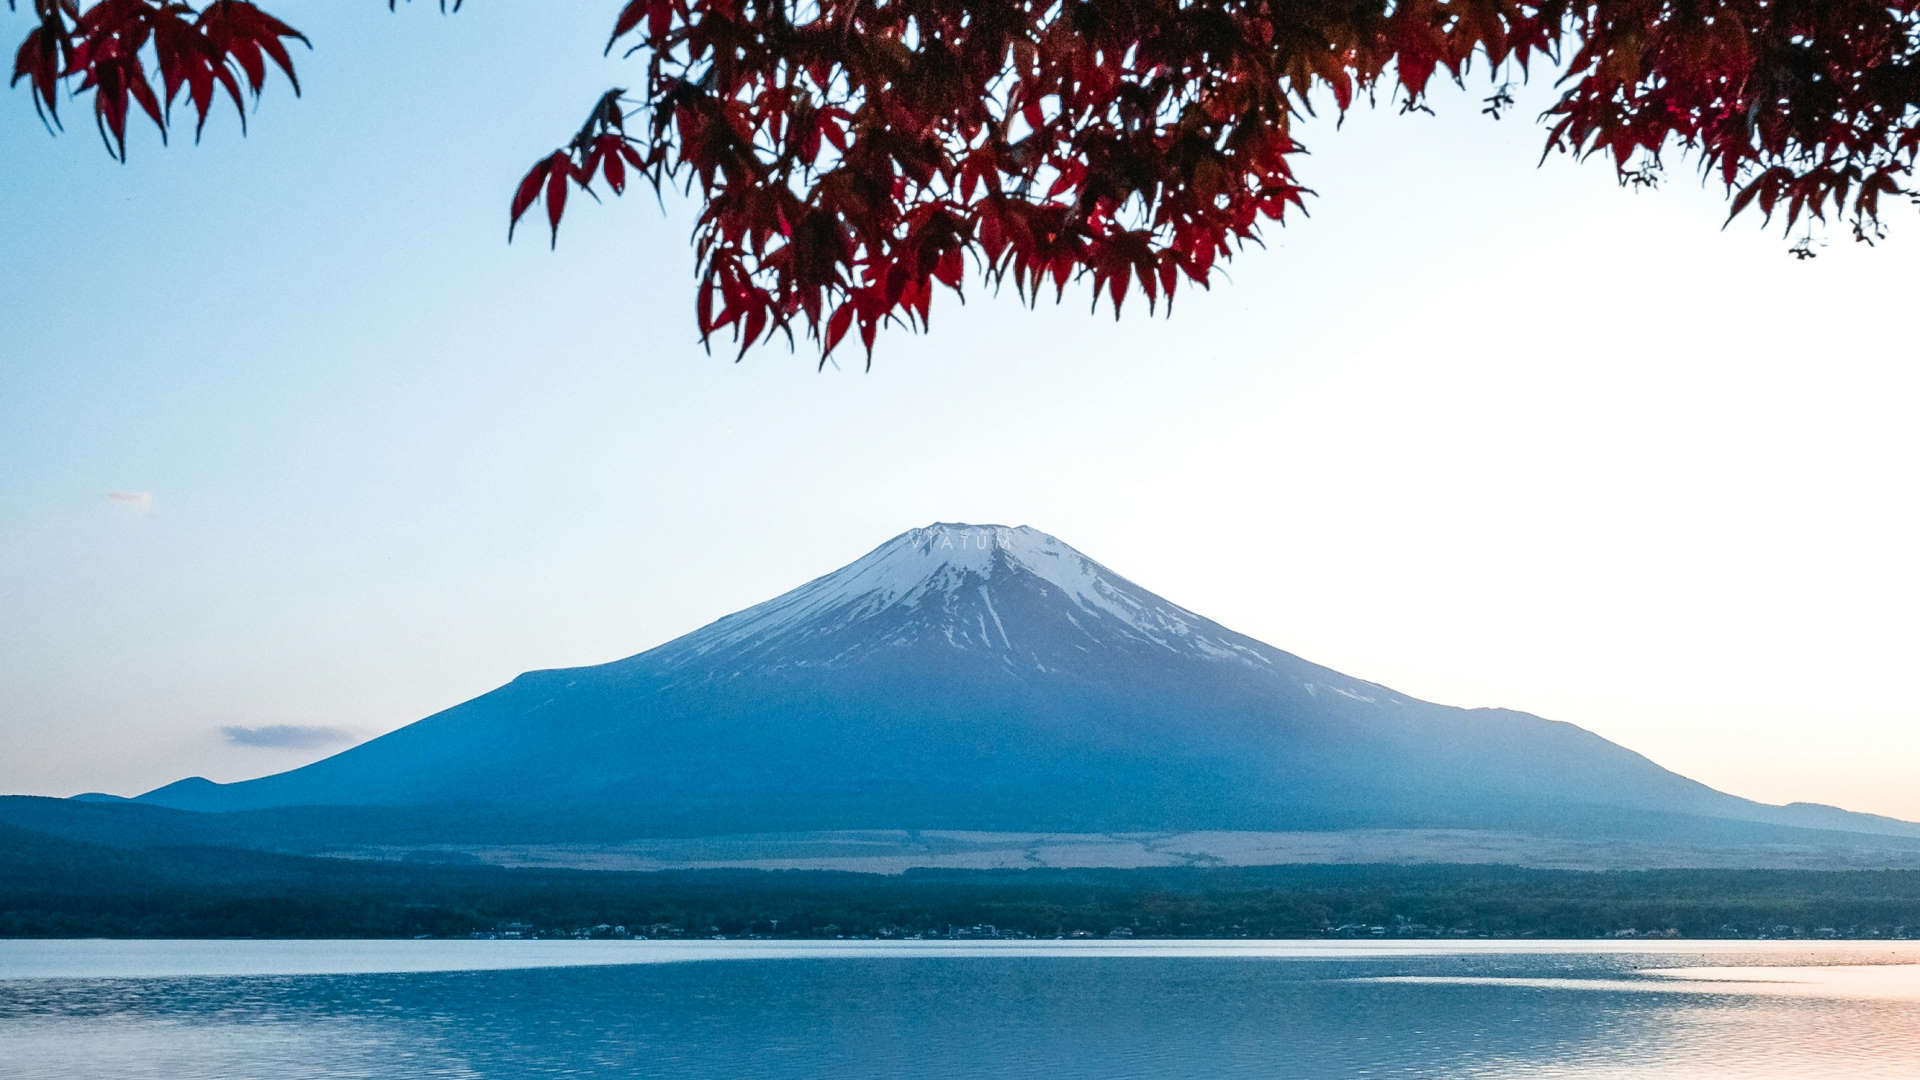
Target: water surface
(1063, 1011)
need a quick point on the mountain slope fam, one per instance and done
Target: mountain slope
(985, 677)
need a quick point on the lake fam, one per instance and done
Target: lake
(490, 1010)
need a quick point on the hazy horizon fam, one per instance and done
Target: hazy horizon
(252, 517)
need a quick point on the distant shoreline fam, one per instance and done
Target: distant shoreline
(99, 958)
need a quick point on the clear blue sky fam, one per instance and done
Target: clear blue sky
(1485, 433)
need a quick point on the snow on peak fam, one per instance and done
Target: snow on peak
(943, 557)
(943, 579)
(1013, 593)
(940, 556)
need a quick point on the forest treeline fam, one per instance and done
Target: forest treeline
(56, 887)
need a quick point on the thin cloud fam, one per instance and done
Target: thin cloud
(286, 736)
(140, 502)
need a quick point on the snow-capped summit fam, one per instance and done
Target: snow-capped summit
(1013, 591)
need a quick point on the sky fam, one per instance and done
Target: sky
(299, 450)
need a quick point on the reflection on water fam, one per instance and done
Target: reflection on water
(1872, 982)
(1136, 1010)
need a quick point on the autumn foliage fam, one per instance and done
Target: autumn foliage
(851, 157)
(107, 51)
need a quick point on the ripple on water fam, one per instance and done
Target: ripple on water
(1148, 1011)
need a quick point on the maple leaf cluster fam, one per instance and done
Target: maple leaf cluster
(851, 157)
(1810, 104)
(108, 50)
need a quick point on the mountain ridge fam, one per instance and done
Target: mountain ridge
(963, 676)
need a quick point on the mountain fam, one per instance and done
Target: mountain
(988, 678)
